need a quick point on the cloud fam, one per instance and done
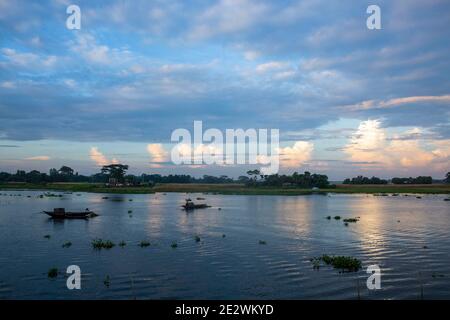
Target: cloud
(379, 104)
(158, 154)
(70, 83)
(19, 58)
(9, 146)
(297, 155)
(8, 85)
(202, 153)
(86, 46)
(99, 158)
(251, 55)
(227, 17)
(270, 66)
(371, 144)
(39, 158)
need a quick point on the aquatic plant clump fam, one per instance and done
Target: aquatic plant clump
(99, 244)
(52, 273)
(107, 281)
(144, 244)
(344, 263)
(67, 244)
(352, 220)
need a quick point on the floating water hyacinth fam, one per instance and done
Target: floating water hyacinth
(100, 244)
(67, 244)
(344, 263)
(144, 244)
(52, 273)
(107, 281)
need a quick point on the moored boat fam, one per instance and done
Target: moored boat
(61, 213)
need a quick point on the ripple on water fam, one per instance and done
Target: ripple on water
(412, 253)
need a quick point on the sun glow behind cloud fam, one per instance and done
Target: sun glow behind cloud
(99, 158)
(371, 145)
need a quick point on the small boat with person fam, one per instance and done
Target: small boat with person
(190, 205)
(61, 213)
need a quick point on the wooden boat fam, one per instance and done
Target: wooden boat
(60, 213)
(190, 205)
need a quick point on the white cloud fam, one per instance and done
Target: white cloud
(297, 155)
(251, 55)
(8, 85)
(270, 66)
(379, 104)
(36, 41)
(70, 83)
(99, 158)
(227, 16)
(370, 144)
(18, 58)
(87, 47)
(27, 59)
(39, 158)
(157, 153)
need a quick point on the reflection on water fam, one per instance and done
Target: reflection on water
(407, 237)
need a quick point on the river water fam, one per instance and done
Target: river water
(407, 237)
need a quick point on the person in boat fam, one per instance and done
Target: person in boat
(191, 205)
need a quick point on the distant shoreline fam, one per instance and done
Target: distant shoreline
(231, 189)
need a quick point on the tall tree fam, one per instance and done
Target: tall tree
(66, 171)
(116, 171)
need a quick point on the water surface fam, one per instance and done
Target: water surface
(407, 237)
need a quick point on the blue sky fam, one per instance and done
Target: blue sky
(347, 100)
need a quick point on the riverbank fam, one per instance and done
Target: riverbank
(230, 189)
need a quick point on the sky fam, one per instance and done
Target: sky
(346, 100)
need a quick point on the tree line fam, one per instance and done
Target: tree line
(365, 180)
(115, 172)
(299, 180)
(118, 174)
(396, 180)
